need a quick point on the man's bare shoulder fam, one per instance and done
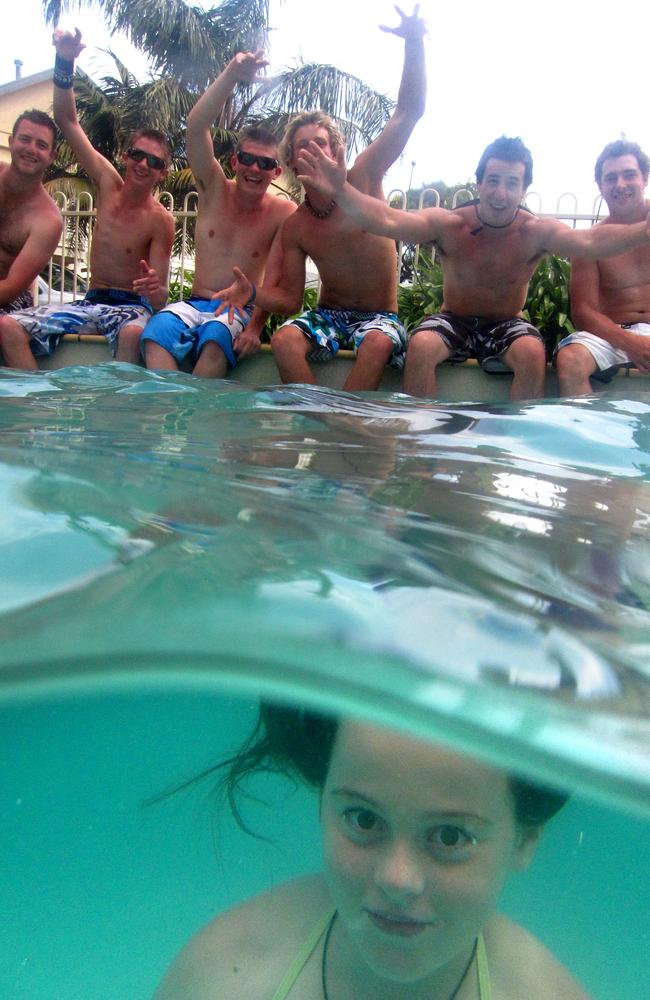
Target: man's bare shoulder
(246, 951)
(453, 226)
(47, 207)
(162, 215)
(298, 225)
(282, 207)
(520, 965)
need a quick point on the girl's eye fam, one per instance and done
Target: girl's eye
(362, 821)
(451, 837)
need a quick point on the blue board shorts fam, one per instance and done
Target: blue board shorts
(183, 329)
(333, 329)
(103, 311)
(478, 337)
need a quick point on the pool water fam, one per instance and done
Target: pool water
(102, 889)
(171, 549)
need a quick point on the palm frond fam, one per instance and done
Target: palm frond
(360, 111)
(188, 43)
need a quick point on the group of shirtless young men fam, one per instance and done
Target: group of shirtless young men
(488, 249)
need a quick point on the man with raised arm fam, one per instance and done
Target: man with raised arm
(237, 221)
(357, 305)
(610, 299)
(131, 245)
(488, 251)
(30, 222)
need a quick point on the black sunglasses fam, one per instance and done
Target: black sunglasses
(263, 162)
(154, 162)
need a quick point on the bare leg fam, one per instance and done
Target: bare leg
(290, 349)
(527, 358)
(14, 344)
(574, 366)
(211, 362)
(425, 351)
(372, 357)
(158, 358)
(128, 345)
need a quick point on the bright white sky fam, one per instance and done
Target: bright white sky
(566, 76)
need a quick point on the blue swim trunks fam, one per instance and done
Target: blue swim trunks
(332, 329)
(184, 328)
(478, 337)
(103, 311)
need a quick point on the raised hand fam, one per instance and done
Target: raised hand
(410, 26)
(235, 297)
(246, 65)
(148, 283)
(314, 167)
(67, 44)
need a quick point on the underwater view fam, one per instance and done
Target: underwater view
(461, 578)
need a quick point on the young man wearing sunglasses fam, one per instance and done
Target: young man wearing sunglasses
(238, 221)
(131, 244)
(357, 307)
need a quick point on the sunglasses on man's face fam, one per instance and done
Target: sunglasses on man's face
(263, 162)
(154, 162)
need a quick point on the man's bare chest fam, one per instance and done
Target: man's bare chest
(489, 258)
(15, 225)
(340, 240)
(234, 233)
(626, 270)
(123, 232)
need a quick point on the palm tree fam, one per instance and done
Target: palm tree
(188, 47)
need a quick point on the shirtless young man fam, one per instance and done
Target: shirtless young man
(132, 238)
(611, 298)
(238, 220)
(358, 299)
(30, 223)
(488, 250)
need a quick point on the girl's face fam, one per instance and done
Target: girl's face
(418, 842)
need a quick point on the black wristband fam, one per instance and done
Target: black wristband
(63, 72)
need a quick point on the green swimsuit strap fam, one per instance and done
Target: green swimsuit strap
(483, 970)
(299, 962)
(302, 957)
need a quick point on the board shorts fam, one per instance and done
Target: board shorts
(103, 311)
(23, 301)
(607, 359)
(330, 330)
(477, 337)
(183, 328)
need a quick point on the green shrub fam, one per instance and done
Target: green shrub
(183, 281)
(547, 305)
(423, 295)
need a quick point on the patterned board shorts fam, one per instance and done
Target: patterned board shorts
(103, 311)
(333, 329)
(477, 337)
(184, 328)
(607, 359)
(22, 301)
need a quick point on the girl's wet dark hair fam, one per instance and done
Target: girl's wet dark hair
(298, 743)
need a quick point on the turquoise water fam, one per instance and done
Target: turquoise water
(172, 549)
